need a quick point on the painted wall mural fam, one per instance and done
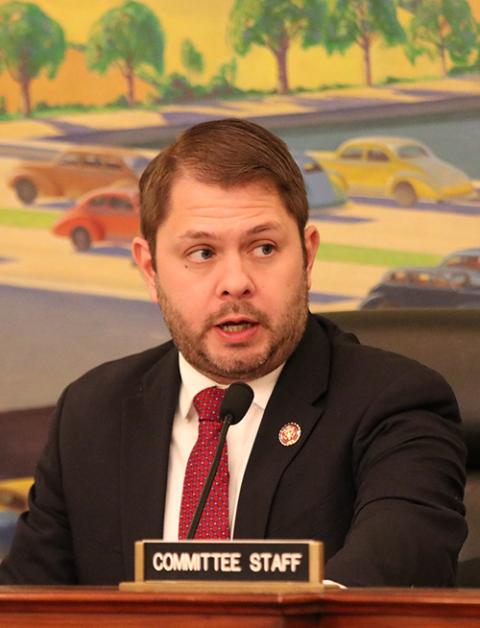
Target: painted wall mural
(378, 101)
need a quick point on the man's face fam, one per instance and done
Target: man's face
(230, 277)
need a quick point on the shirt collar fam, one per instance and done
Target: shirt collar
(193, 382)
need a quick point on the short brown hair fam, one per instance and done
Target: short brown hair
(228, 153)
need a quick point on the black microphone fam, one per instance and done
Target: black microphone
(233, 408)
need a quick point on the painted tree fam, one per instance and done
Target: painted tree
(441, 29)
(362, 22)
(127, 37)
(275, 24)
(192, 58)
(31, 42)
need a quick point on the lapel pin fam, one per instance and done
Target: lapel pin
(289, 434)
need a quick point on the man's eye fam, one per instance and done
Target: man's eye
(264, 250)
(201, 255)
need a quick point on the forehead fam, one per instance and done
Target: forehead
(192, 199)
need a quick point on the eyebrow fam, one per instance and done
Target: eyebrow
(192, 234)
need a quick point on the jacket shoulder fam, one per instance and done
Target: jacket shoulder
(122, 374)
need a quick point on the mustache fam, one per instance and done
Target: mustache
(242, 309)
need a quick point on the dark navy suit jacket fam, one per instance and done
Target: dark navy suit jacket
(377, 474)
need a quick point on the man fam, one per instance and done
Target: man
(347, 444)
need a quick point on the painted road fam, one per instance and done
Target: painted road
(50, 337)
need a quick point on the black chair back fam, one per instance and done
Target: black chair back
(449, 342)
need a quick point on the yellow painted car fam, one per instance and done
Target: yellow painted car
(13, 501)
(395, 167)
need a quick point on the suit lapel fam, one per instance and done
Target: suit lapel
(298, 397)
(146, 430)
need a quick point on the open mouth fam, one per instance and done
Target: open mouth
(236, 326)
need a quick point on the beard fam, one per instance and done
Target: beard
(283, 337)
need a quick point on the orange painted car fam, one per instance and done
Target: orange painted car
(74, 170)
(110, 214)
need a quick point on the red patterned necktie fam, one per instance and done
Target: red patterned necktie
(214, 522)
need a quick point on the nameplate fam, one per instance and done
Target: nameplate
(229, 561)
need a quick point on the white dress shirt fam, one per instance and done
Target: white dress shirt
(240, 439)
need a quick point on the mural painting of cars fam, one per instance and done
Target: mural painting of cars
(424, 287)
(465, 258)
(112, 214)
(72, 171)
(13, 501)
(394, 167)
(105, 214)
(322, 192)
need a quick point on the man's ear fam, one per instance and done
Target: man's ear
(312, 240)
(143, 258)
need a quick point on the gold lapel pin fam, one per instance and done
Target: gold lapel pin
(289, 434)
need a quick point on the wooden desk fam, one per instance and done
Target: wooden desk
(356, 608)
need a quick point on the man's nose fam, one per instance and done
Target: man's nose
(235, 278)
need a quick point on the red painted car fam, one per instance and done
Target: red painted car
(106, 214)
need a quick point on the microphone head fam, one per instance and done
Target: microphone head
(236, 402)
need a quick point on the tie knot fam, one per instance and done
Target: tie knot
(207, 403)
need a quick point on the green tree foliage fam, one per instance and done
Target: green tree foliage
(477, 61)
(128, 37)
(175, 87)
(222, 83)
(227, 72)
(275, 24)
(30, 42)
(441, 29)
(362, 22)
(192, 58)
